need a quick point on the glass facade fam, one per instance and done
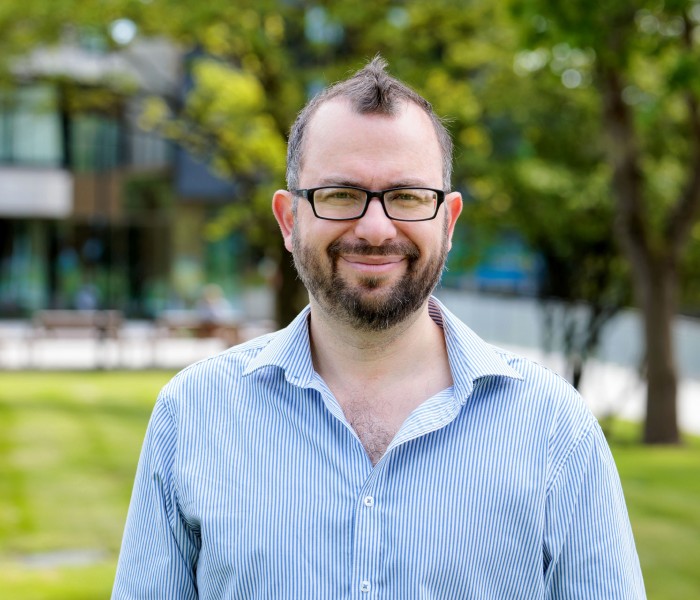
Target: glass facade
(132, 241)
(95, 143)
(30, 127)
(23, 274)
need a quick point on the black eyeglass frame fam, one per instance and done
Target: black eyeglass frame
(379, 194)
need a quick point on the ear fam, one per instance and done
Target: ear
(282, 209)
(453, 206)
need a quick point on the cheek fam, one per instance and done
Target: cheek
(308, 241)
(291, 240)
(319, 235)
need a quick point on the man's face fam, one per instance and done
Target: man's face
(371, 273)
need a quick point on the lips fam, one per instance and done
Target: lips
(372, 265)
(363, 252)
(372, 260)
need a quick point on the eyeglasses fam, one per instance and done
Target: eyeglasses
(349, 203)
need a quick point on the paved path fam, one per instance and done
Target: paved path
(138, 347)
(610, 385)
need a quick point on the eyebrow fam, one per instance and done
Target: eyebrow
(349, 183)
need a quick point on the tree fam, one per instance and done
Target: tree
(572, 122)
(646, 90)
(552, 190)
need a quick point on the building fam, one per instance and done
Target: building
(94, 211)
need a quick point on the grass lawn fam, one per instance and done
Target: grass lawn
(69, 443)
(662, 489)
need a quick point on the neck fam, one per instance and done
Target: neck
(379, 378)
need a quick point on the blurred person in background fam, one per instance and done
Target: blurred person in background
(213, 310)
(87, 297)
(376, 447)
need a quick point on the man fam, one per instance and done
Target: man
(376, 447)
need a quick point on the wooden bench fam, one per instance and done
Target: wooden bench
(77, 323)
(188, 323)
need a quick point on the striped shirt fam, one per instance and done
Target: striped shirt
(252, 484)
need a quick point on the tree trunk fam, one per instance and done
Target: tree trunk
(653, 262)
(658, 309)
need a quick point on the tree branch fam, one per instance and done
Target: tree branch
(627, 182)
(686, 211)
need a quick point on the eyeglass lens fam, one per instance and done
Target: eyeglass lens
(346, 203)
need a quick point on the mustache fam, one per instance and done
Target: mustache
(407, 249)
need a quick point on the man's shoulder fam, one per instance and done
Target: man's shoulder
(542, 390)
(533, 370)
(223, 369)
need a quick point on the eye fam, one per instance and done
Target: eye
(411, 197)
(406, 197)
(339, 196)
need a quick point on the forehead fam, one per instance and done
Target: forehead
(359, 147)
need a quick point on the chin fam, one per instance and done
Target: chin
(373, 284)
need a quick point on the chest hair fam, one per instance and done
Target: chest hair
(376, 416)
(374, 430)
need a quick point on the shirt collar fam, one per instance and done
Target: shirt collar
(471, 358)
(289, 349)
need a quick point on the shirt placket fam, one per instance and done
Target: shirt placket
(367, 541)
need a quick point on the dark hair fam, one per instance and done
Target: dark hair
(370, 91)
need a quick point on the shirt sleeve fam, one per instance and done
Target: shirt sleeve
(589, 547)
(159, 550)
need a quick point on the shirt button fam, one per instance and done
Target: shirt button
(365, 586)
(368, 500)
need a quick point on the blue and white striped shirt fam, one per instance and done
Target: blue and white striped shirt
(252, 484)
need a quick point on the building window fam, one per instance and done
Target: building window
(30, 128)
(95, 143)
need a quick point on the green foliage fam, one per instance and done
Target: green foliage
(224, 119)
(690, 290)
(651, 45)
(518, 82)
(147, 192)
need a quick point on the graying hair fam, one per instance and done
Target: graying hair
(370, 91)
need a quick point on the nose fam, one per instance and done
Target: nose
(375, 227)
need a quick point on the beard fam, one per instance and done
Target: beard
(364, 305)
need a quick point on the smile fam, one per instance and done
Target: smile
(375, 265)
